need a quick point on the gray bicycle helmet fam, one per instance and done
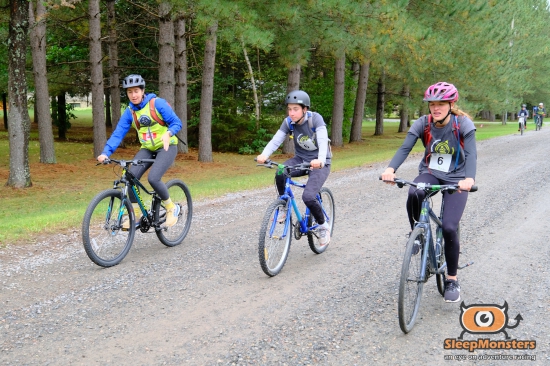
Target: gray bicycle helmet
(523, 106)
(133, 80)
(298, 97)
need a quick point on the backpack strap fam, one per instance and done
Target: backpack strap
(153, 112)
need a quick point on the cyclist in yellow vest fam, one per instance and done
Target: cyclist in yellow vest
(157, 125)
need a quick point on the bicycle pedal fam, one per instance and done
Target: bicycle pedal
(466, 265)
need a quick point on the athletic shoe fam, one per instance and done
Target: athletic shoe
(281, 216)
(452, 291)
(416, 247)
(324, 234)
(172, 214)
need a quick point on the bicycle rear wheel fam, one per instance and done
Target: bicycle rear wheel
(410, 286)
(180, 195)
(327, 202)
(105, 242)
(273, 248)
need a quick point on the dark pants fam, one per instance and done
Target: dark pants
(163, 161)
(452, 212)
(317, 178)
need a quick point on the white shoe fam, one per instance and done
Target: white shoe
(324, 234)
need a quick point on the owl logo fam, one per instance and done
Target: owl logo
(486, 318)
(442, 147)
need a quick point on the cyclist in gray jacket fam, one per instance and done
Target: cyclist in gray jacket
(311, 144)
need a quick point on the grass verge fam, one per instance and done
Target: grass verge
(61, 192)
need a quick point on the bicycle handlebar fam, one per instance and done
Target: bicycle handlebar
(272, 164)
(126, 162)
(429, 187)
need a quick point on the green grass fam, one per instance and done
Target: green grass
(61, 192)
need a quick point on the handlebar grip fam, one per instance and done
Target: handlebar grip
(473, 189)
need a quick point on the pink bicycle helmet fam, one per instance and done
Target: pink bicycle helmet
(441, 92)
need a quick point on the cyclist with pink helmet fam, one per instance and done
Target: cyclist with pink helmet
(450, 155)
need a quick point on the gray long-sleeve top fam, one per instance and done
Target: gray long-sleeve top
(444, 146)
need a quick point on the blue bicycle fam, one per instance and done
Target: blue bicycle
(278, 224)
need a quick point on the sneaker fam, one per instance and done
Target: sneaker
(416, 247)
(452, 291)
(172, 214)
(281, 216)
(324, 234)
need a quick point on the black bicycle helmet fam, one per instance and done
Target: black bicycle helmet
(133, 80)
(298, 97)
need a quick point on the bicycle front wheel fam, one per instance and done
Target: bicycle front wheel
(327, 203)
(410, 286)
(273, 247)
(105, 240)
(180, 195)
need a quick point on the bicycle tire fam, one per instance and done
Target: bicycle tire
(327, 202)
(521, 129)
(180, 195)
(273, 249)
(410, 288)
(105, 243)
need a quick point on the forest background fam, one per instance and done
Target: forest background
(225, 66)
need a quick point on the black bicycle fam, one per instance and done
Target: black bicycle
(109, 224)
(423, 258)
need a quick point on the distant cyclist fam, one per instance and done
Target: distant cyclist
(311, 144)
(525, 114)
(541, 113)
(450, 157)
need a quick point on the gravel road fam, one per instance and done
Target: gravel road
(207, 302)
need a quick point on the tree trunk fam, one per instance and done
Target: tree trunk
(180, 103)
(19, 121)
(293, 83)
(504, 117)
(380, 103)
(251, 72)
(404, 113)
(96, 79)
(114, 76)
(55, 119)
(62, 116)
(5, 110)
(205, 122)
(337, 122)
(108, 121)
(42, 101)
(359, 109)
(166, 52)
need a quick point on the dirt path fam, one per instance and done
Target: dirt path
(207, 302)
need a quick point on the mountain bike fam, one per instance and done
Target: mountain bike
(423, 258)
(538, 122)
(106, 237)
(276, 232)
(521, 124)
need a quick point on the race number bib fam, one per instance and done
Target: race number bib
(440, 162)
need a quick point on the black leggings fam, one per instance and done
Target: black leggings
(163, 161)
(317, 178)
(452, 212)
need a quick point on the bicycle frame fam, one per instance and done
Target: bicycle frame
(129, 184)
(429, 255)
(288, 196)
